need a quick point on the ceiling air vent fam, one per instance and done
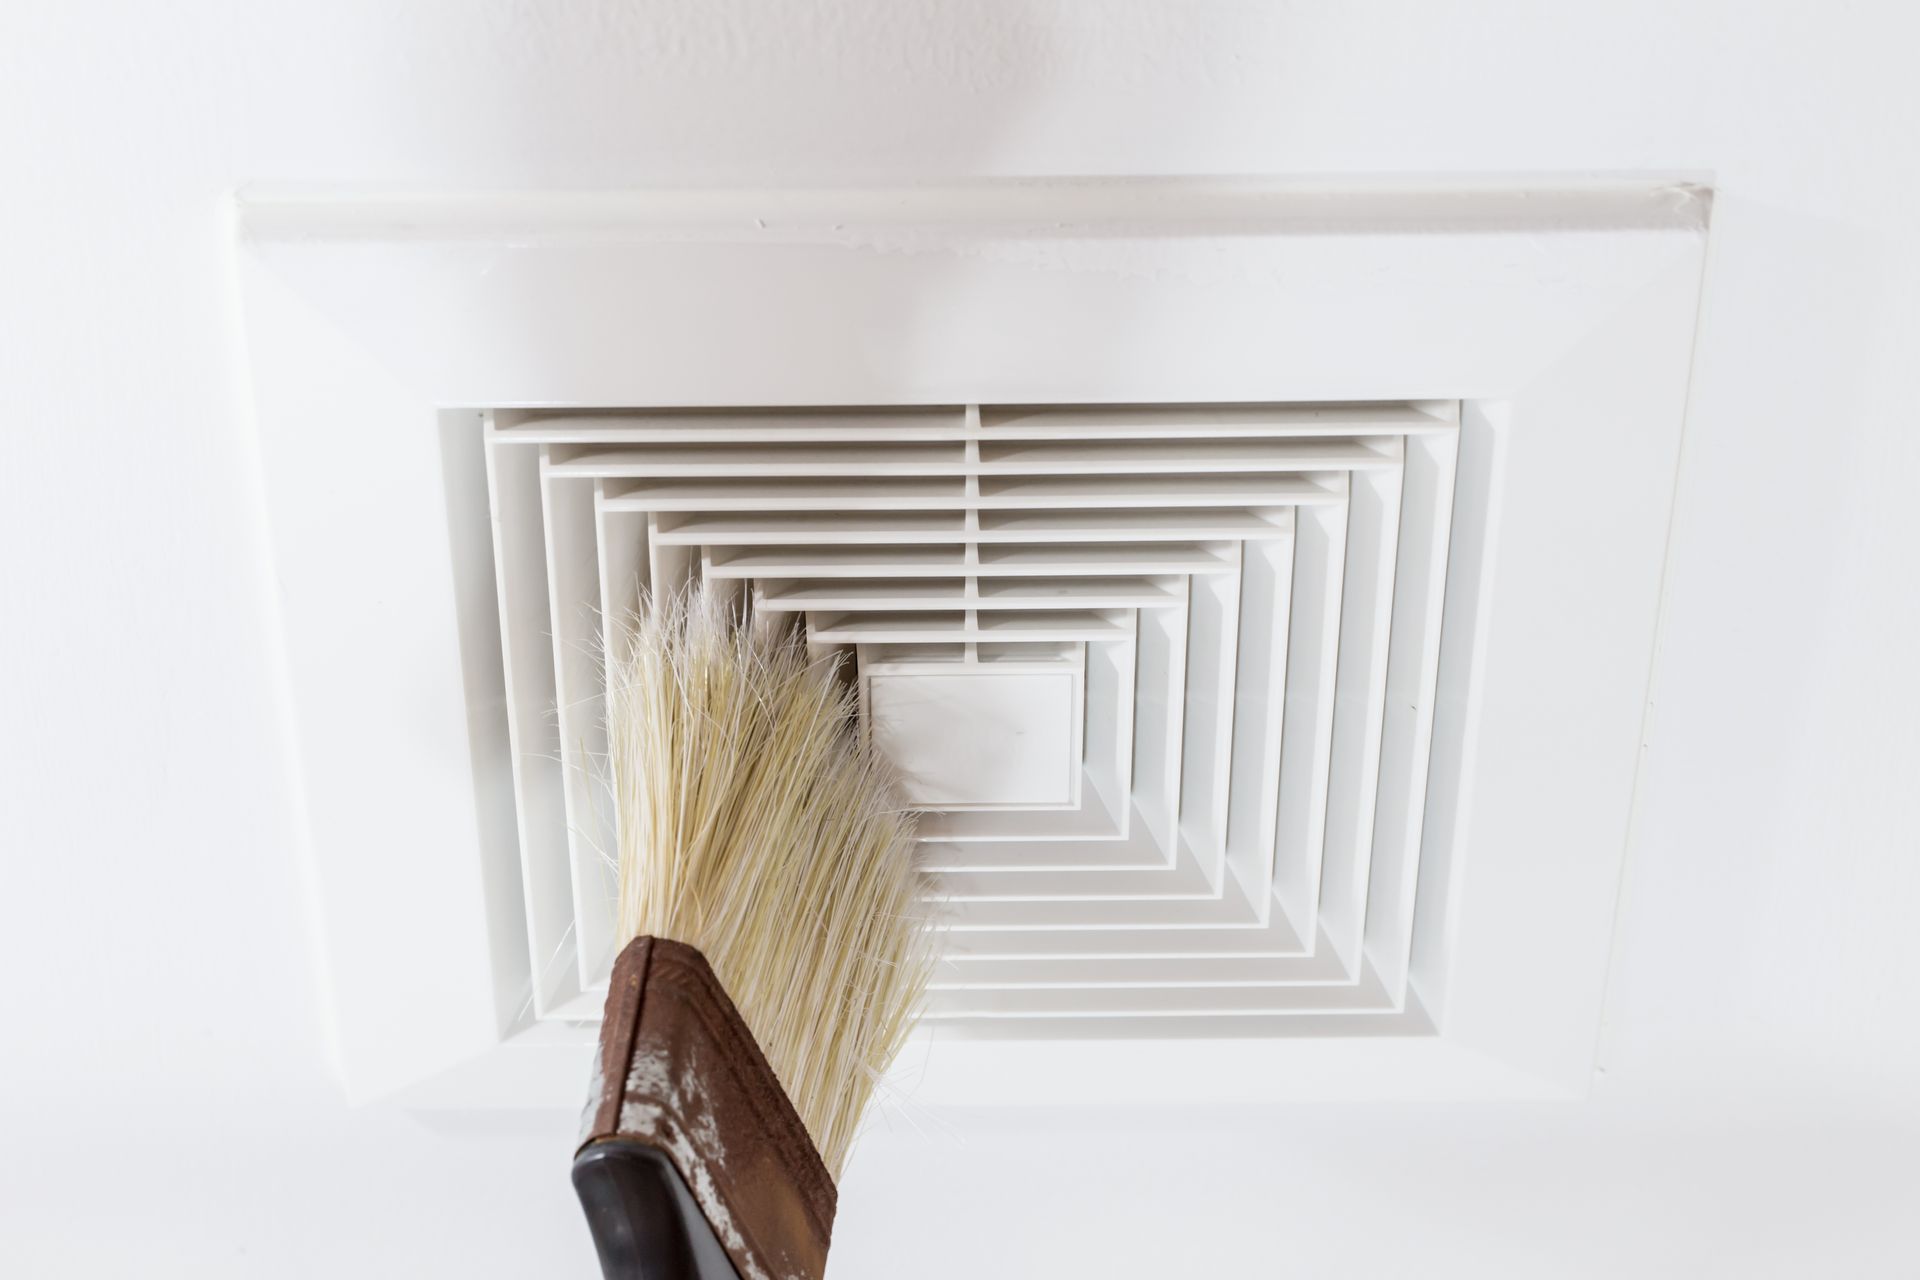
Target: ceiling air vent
(1163, 674)
(1162, 677)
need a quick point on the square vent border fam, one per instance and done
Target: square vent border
(1559, 316)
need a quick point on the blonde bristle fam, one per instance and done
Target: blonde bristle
(755, 824)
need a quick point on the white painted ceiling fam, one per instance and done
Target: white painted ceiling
(1757, 1111)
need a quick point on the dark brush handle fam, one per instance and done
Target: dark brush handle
(645, 1223)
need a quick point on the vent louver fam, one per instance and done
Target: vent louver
(1162, 676)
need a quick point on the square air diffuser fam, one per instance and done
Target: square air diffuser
(1255, 584)
(1162, 678)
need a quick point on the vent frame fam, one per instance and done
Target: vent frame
(1560, 318)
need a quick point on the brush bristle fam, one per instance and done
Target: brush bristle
(756, 825)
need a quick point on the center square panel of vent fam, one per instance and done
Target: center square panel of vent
(966, 734)
(1160, 678)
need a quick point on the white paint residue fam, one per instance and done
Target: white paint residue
(685, 1095)
(596, 1087)
(650, 1073)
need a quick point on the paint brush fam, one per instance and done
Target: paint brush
(778, 949)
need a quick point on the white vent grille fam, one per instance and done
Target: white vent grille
(1163, 677)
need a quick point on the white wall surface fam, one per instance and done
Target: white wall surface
(165, 1101)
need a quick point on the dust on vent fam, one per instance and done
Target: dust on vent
(1162, 677)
